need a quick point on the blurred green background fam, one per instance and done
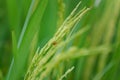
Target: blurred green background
(103, 20)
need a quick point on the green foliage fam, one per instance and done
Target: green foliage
(60, 39)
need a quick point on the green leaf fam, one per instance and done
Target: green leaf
(23, 48)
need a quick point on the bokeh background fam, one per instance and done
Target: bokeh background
(103, 20)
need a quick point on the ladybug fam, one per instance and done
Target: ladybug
(54, 43)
